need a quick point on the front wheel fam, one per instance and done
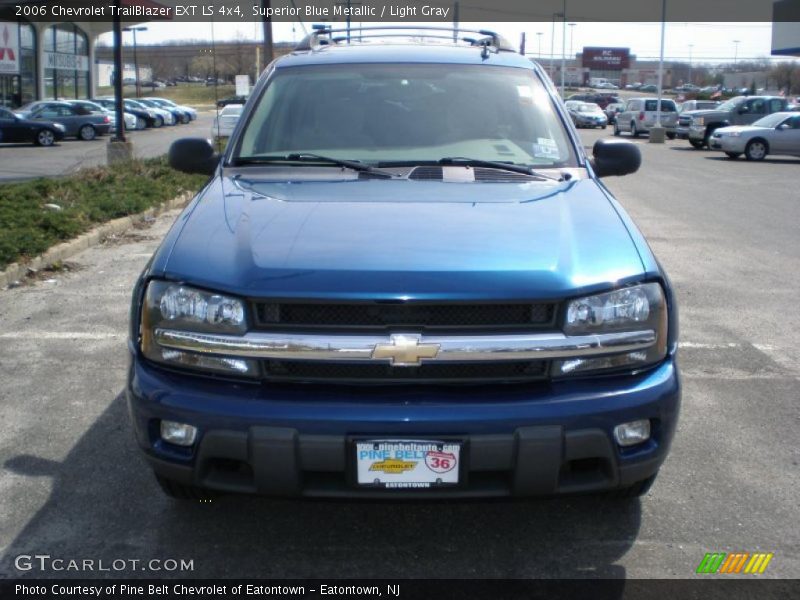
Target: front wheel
(45, 137)
(159, 121)
(733, 155)
(671, 136)
(616, 129)
(185, 119)
(140, 123)
(87, 133)
(755, 150)
(696, 145)
(634, 130)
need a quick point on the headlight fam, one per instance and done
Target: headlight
(174, 306)
(636, 308)
(731, 134)
(700, 121)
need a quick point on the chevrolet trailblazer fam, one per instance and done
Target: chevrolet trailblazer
(404, 278)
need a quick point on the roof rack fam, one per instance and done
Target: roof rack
(325, 35)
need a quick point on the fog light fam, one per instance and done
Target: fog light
(179, 434)
(630, 434)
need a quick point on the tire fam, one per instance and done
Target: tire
(616, 129)
(87, 133)
(604, 126)
(45, 137)
(756, 150)
(707, 137)
(671, 136)
(733, 155)
(696, 145)
(637, 490)
(181, 491)
(159, 122)
(185, 119)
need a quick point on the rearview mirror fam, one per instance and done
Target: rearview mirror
(193, 155)
(615, 157)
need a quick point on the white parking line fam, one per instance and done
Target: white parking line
(59, 335)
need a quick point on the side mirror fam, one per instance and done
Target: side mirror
(743, 110)
(193, 155)
(615, 157)
(783, 127)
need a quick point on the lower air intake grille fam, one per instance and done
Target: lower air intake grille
(281, 370)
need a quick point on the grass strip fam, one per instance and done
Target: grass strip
(82, 200)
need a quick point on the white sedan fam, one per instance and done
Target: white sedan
(778, 133)
(226, 122)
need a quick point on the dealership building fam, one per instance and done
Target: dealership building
(616, 65)
(49, 60)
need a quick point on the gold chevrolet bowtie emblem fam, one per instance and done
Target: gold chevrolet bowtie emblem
(405, 351)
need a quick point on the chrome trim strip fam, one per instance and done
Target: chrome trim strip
(411, 348)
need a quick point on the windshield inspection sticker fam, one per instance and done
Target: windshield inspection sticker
(545, 147)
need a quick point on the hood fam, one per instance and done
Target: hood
(706, 112)
(401, 239)
(739, 128)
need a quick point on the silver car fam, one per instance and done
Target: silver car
(778, 133)
(639, 117)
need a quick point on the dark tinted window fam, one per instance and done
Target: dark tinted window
(666, 105)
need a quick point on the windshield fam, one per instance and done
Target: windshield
(771, 121)
(730, 104)
(588, 108)
(406, 113)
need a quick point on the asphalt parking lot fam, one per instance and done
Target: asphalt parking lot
(72, 483)
(25, 161)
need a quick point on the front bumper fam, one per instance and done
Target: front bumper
(727, 144)
(295, 440)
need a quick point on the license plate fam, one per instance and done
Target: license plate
(407, 464)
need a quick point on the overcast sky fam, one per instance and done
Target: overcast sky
(710, 41)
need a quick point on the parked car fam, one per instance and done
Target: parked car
(431, 307)
(602, 100)
(16, 130)
(740, 110)
(633, 86)
(587, 114)
(168, 117)
(682, 130)
(129, 120)
(231, 100)
(187, 113)
(640, 114)
(226, 122)
(612, 110)
(778, 133)
(606, 85)
(134, 118)
(78, 122)
(648, 88)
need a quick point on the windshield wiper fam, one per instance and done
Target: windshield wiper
(462, 161)
(308, 157)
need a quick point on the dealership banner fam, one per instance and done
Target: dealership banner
(9, 48)
(432, 11)
(701, 586)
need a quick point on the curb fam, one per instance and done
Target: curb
(63, 251)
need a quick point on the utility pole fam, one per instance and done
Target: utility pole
(571, 36)
(658, 133)
(563, 46)
(735, 53)
(118, 70)
(135, 59)
(267, 27)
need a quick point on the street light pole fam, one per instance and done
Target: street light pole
(691, 81)
(735, 53)
(658, 133)
(135, 57)
(571, 36)
(539, 35)
(563, 46)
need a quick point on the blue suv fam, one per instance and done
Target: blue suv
(404, 278)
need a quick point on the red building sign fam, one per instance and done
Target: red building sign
(606, 58)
